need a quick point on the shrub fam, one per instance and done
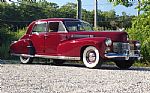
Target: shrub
(7, 37)
(140, 30)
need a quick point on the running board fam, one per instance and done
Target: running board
(46, 56)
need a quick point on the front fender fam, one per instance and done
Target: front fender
(73, 47)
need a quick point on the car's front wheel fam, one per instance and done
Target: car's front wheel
(91, 57)
(125, 64)
(26, 60)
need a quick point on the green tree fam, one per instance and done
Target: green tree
(141, 3)
(49, 9)
(141, 30)
(109, 14)
(126, 3)
(87, 16)
(68, 10)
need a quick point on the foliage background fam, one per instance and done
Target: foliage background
(140, 30)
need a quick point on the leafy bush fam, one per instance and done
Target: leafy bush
(7, 37)
(140, 30)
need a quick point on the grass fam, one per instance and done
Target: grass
(142, 64)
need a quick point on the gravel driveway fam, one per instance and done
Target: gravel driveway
(38, 78)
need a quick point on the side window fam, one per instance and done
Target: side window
(39, 27)
(74, 26)
(56, 27)
(87, 26)
(61, 27)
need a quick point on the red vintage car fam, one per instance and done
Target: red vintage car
(63, 39)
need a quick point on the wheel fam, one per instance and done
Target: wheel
(125, 64)
(58, 62)
(91, 57)
(26, 60)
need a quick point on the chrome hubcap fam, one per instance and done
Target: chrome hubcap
(91, 57)
(24, 58)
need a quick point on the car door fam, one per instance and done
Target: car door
(38, 37)
(55, 35)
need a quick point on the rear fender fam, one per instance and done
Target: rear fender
(20, 47)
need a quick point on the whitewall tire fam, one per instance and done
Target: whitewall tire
(91, 57)
(26, 60)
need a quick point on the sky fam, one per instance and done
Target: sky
(103, 5)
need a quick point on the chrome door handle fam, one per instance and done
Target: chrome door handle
(46, 35)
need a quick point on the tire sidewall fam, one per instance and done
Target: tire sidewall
(29, 59)
(124, 64)
(23, 61)
(86, 63)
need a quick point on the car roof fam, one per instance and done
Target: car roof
(58, 19)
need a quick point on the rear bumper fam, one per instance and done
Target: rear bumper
(129, 54)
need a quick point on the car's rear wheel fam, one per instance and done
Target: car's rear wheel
(91, 57)
(125, 64)
(26, 60)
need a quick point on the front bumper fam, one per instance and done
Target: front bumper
(127, 55)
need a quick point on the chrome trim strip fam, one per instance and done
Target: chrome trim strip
(26, 55)
(81, 36)
(115, 56)
(126, 56)
(47, 56)
(58, 57)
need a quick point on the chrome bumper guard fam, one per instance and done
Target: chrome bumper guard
(128, 54)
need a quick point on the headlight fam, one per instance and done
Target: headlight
(108, 42)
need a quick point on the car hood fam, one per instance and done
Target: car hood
(115, 36)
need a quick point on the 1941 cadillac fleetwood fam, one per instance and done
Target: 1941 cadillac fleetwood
(63, 39)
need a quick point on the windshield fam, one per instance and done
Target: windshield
(78, 26)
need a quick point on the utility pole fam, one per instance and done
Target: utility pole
(139, 5)
(95, 13)
(79, 9)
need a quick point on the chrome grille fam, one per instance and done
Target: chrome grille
(119, 47)
(132, 47)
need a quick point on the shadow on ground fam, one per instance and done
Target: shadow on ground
(110, 67)
(68, 64)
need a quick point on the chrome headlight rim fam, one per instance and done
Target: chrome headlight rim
(108, 42)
